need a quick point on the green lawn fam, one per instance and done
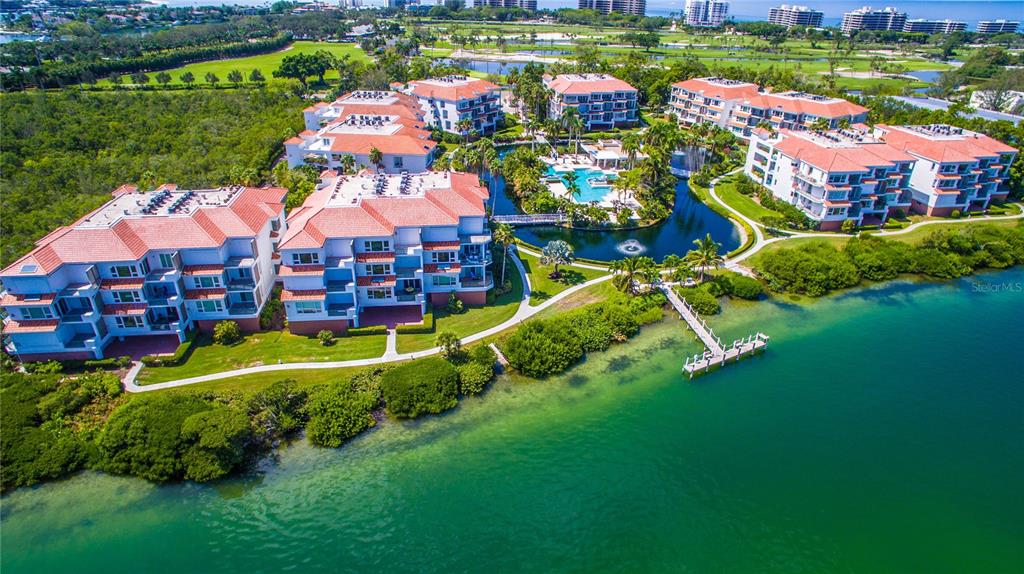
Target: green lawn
(264, 348)
(726, 191)
(256, 382)
(473, 320)
(265, 63)
(544, 287)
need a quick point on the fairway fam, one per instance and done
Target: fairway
(265, 63)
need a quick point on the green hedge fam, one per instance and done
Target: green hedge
(179, 356)
(428, 326)
(371, 330)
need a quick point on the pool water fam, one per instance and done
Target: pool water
(588, 192)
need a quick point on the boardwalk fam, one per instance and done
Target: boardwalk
(715, 353)
(531, 219)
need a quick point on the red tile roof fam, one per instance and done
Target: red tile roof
(131, 237)
(40, 299)
(304, 295)
(861, 158)
(831, 108)
(209, 269)
(588, 84)
(383, 256)
(376, 281)
(202, 294)
(456, 91)
(442, 267)
(290, 270)
(710, 89)
(440, 245)
(314, 222)
(969, 148)
(31, 326)
(122, 284)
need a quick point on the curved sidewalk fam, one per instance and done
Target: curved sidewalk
(524, 312)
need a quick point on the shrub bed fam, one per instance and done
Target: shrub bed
(179, 356)
(428, 386)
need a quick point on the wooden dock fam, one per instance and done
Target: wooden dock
(715, 354)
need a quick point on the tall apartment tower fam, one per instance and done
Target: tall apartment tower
(638, 7)
(868, 19)
(524, 4)
(934, 26)
(790, 16)
(705, 13)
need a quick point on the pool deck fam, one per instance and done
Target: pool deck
(565, 164)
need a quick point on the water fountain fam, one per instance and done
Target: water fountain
(631, 247)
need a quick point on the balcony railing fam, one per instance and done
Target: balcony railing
(241, 284)
(339, 310)
(338, 286)
(409, 297)
(242, 309)
(476, 281)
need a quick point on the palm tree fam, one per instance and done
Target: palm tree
(705, 255)
(376, 158)
(572, 184)
(503, 236)
(556, 253)
(631, 144)
(348, 164)
(573, 123)
(632, 272)
(464, 126)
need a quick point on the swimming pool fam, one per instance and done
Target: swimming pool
(588, 191)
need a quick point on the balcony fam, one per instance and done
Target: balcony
(80, 341)
(241, 284)
(407, 272)
(339, 263)
(339, 286)
(471, 281)
(165, 326)
(416, 297)
(340, 310)
(240, 262)
(162, 275)
(242, 309)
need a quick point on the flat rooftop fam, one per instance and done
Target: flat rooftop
(349, 190)
(365, 124)
(447, 81)
(165, 201)
(840, 138)
(368, 97)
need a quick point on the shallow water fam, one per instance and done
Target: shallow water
(880, 432)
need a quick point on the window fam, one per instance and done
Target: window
(444, 257)
(384, 293)
(377, 245)
(398, 161)
(305, 258)
(443, 280)
(36, 313)
(166, 261)
(121, 271)
(307, 307)
(210, 306)
(145, 266)
(255, 249)
(127, 297)
(378, 269)
(130, 322)
(207, 282)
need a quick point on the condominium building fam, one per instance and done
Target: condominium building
(705, 13)
(638, 7)
(142, 265)
(530, 5)
(603, 101)
(742, 106)
(997, 27)
(956, 169)
(360, 122)
(832, 176)
(368, 245)
(867, 19)
(934, 26)
(459, 104)
(789, 16)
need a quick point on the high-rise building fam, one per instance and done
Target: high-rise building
(790, 16)
(638, 7)
(523, 4)
(934, 26)
(868, 19)
(997, 27)
(705, 13)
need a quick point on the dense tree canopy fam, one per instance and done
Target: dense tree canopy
(64, 153)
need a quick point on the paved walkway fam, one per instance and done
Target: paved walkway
(524, 312)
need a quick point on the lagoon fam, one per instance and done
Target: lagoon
(880, 432)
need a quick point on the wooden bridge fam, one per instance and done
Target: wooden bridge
(715, 353)
(531, 219)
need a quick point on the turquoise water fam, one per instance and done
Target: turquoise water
(588, 191)
(881, 432)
